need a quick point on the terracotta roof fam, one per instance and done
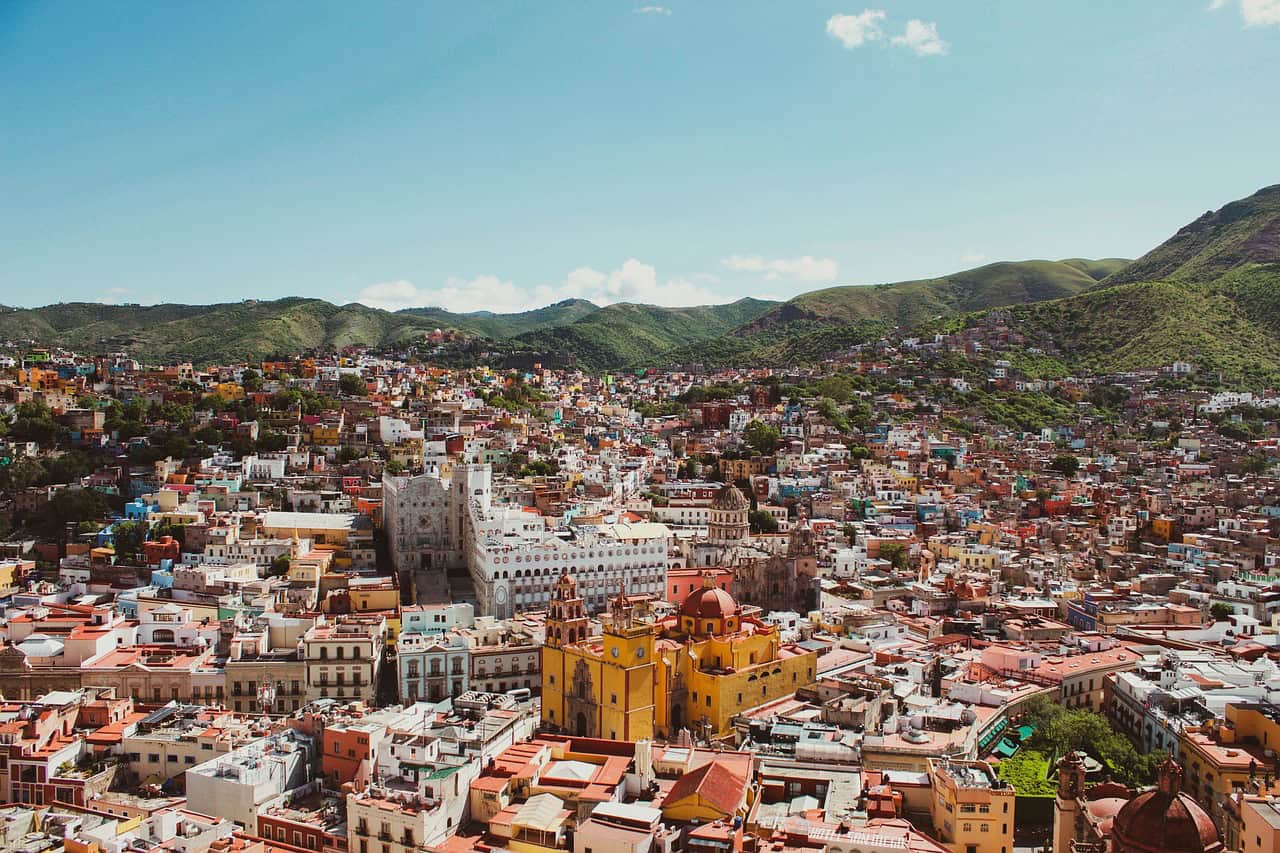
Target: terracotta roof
(1165, 820)
(715, 782)
(709, 603)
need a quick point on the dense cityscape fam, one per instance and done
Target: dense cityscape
(640, 426)
(360, 602)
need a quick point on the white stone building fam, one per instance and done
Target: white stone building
(432, 666)
(238, 784)
(424, 516)
(515, 560)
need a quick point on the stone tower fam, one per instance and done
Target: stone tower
(729, 524)
(1066, 804)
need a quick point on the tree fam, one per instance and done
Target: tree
(1220, 611)
(828, 409)
(178, 532)
(177, 414)
(761, 437)
(127, 537)
(208, 435)
(762, 522)
(279, 566)
(1065, 464)
(251, 380)
(1255, 463)
(1059, 731)
(837, 388)
(283, 401)
(895, 553)
(538, 468)
(22, 473)
(70, 506)
(272, 441)
(34, 422)
(394, 467)
(353, 385)
(213, 403)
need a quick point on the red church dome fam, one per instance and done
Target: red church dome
(1164, 820)
(710, 602)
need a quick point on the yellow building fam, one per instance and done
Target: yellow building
(229, 391)
(1223, 756)
(972, 809)
(326, 434)
(597, 687)
(714, 663)
(381, 594)
(695, 670)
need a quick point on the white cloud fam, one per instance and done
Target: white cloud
(651, 10)
(921, 37)
(805, 268)
(113, 296)
(633, 281)
(973, 256)
(481, 293)
(856, 30)
(1256, 13)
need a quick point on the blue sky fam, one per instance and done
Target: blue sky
(502, 155)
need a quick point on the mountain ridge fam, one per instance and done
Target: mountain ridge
(1244, 231)
(1210, 288)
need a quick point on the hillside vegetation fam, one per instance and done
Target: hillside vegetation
(1242, 233)
(909, 303)
(487, 324)
(1153, 324)
(629, 334)
(1210, 295)
(206, 333)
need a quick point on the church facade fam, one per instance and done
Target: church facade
(643, 677)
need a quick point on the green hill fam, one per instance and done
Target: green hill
(1209, 295)
(249, 330)
(909, 303)
(1216, 326)
(1240, 233)
(628, 334)
(821, 322)
(499, 326)
(252, 330)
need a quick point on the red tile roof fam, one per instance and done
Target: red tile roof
(715, 782)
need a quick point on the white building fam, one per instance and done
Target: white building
(436, 618)
(432, 666)
(237, 785)
(425, 516)
(515, 560)
(170, 623)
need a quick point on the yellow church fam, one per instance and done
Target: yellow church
(643, 678)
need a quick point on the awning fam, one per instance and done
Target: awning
(995, 732)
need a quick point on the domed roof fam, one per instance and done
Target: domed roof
(1165, 820)
(710, 602)
(731, 499)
